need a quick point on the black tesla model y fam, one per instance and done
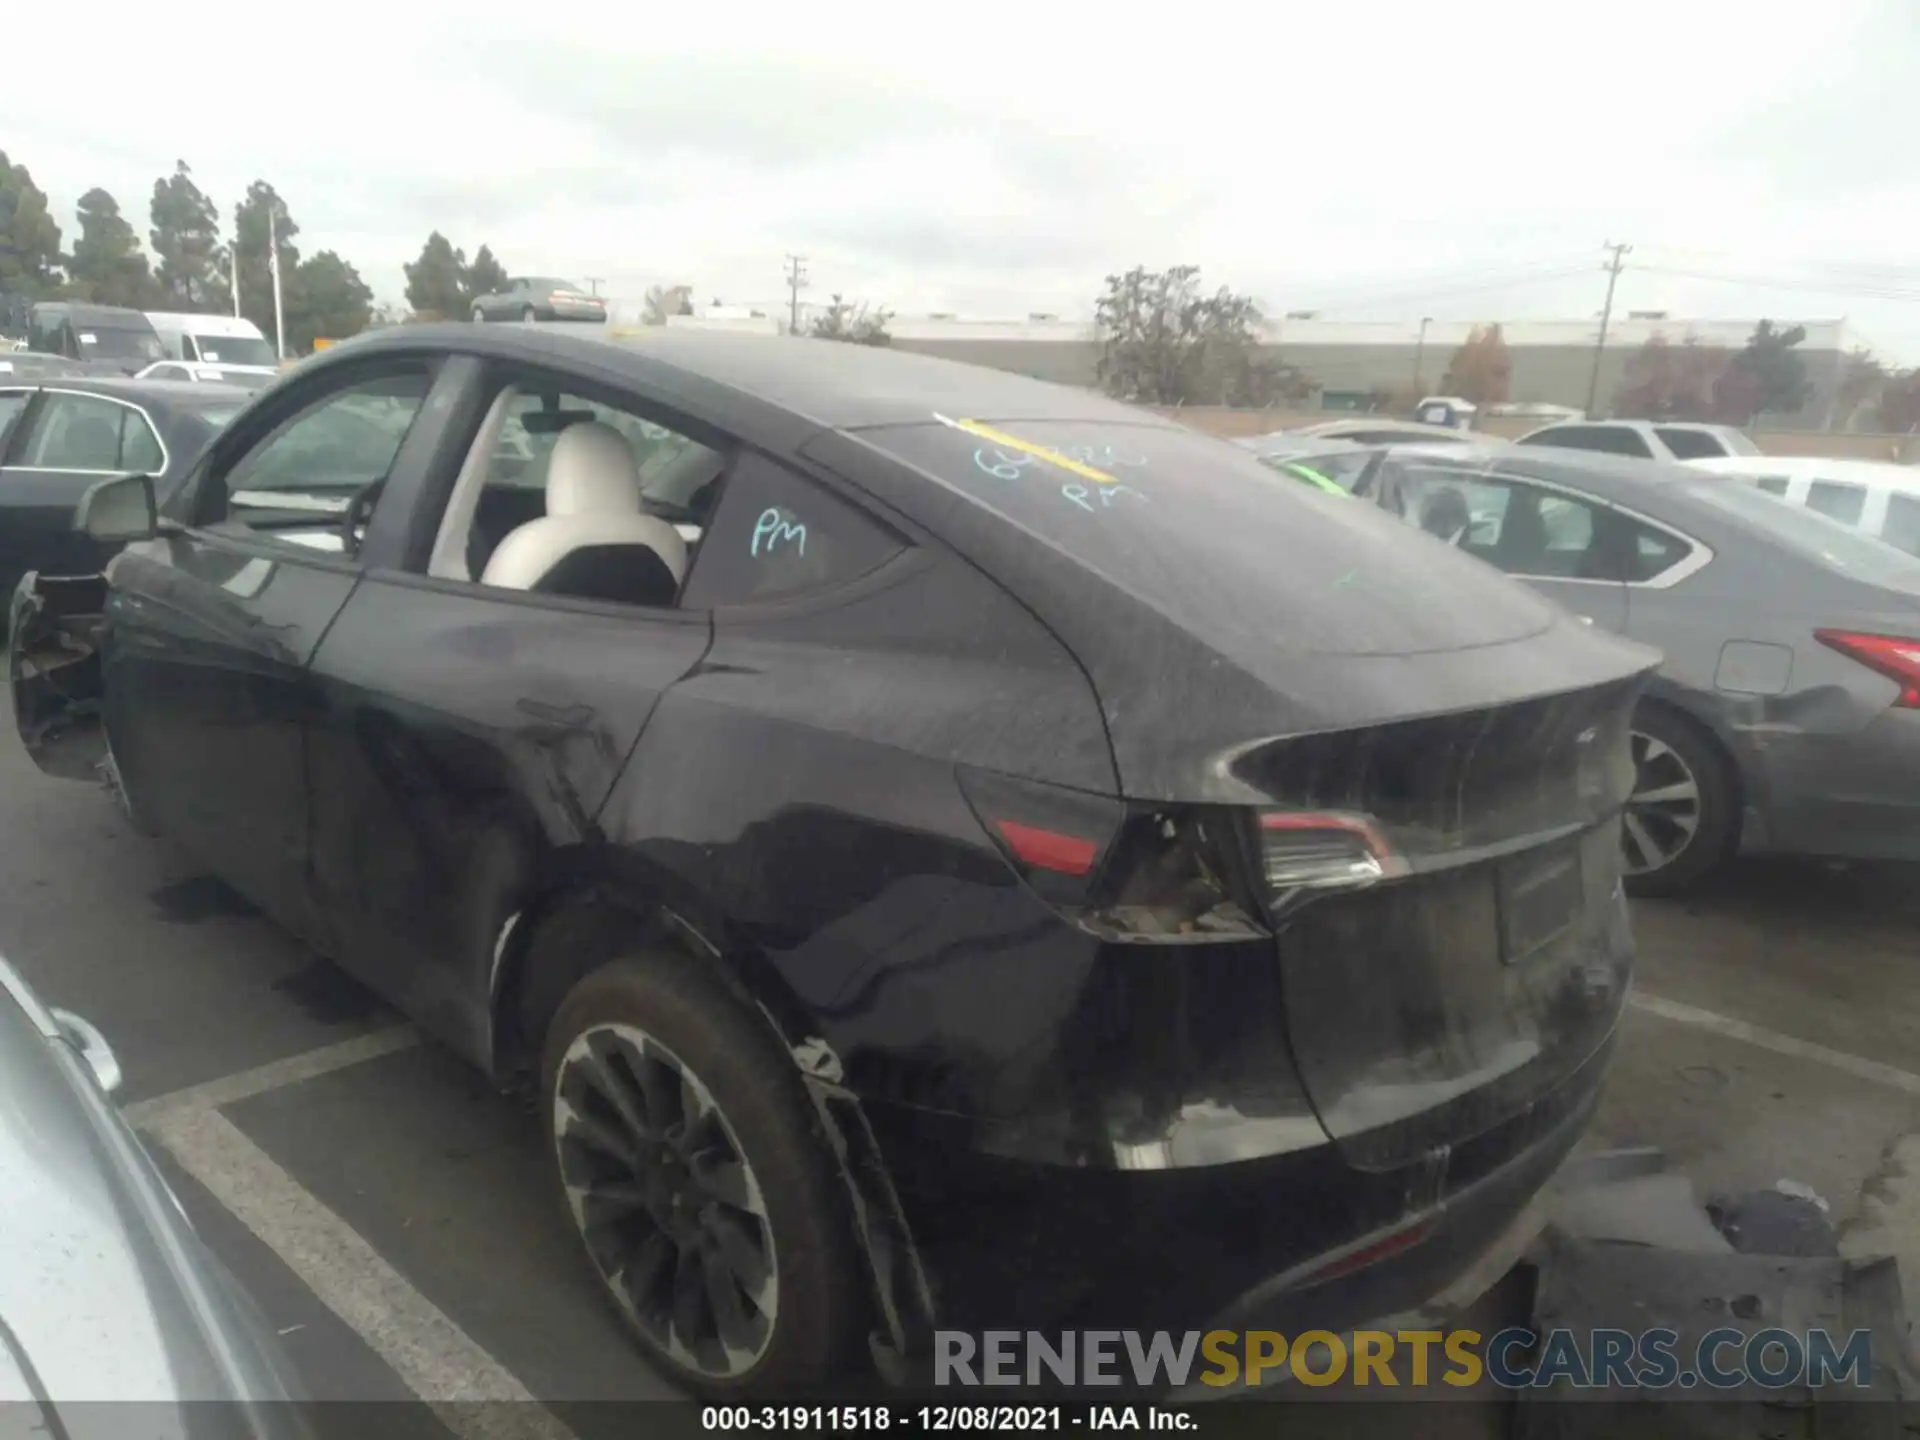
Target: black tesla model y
(951, 851)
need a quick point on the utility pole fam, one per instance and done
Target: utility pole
(796, 281)
(1613, 268)
(273, 265)
(593, 283)
(233, 272)
(1420, 355)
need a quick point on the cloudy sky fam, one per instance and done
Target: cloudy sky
(1464, 161)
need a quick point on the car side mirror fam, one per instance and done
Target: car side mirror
(119, 510)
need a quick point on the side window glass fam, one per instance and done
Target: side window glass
(75, 432)
(1843, 502)
(663, 475)
(1654, 553)
(1773, 484)
(775, 535)
(318, 461)
(12, 403)
(139, 446)
(1903, 523)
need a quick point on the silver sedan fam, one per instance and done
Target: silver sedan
(1787, 714)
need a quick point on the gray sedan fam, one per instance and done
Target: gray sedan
(1787, 714)
(539, 297)
(106, 1293)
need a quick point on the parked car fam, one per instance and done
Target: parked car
(1382, 430)
(107, 1295)
(228, 341)
(59, 436)
(539, 298)
(1787, 714)
(1644, 439)
(181, 371)
(1880, 499)
(104, 339)
(29, 364)
(948, 848)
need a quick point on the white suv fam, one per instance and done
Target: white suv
(1644, 439)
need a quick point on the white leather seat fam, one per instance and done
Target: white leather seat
(593, 541)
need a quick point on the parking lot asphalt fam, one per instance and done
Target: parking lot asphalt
(391, 1213)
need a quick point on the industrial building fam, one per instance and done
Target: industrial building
(1349, 361)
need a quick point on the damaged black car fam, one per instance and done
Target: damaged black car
(949, 851)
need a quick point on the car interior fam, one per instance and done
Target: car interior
(564, 496)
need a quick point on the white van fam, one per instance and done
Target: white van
(223, 340)
(1870, 495)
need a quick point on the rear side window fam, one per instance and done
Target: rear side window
(1838, 500)
(775, 535)
(1903, 523)
(87, 432)
(1689, 444)
(1773, 484)
(1610, 439)
(12, 402)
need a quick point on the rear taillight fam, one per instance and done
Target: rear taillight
(1304, 853)
(1129, 872)
(1896, 657)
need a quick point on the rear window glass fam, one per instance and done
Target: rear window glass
(1689, 444)
(1815, 537)
(1204, 532)
(1611, 440)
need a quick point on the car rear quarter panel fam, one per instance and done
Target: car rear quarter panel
(797, 795)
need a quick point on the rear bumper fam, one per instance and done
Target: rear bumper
(1856, 796)
(1011, 1245)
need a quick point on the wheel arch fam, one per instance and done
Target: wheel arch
(1670, 702)
(596, 910)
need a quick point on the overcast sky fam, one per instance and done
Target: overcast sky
(1464, 161)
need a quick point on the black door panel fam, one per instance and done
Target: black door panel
(207, 698)
(465, 736)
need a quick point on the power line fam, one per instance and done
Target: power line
(1353, 301)
(1620, 253)
(1761, 282)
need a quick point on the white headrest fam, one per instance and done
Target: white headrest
(591, 472)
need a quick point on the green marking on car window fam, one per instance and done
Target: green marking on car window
(1314, 478)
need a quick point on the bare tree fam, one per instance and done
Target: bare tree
(856, 324)
(665, 301)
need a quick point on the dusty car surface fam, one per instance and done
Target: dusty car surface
(112, 1311)
(948, 849)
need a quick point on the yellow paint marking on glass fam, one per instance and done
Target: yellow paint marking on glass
(1027, 447)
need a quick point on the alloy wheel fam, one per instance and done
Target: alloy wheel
(668, 1206)
(1663, 813)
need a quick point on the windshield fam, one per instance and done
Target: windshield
(1814, 536)
(99, 342)
(552, 284)
(234, 350)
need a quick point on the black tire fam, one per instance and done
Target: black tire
(529, 315)
(1689, 754)
(689, 1020)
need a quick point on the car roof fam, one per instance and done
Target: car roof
(1330, 429)
(175, 394)
(831, 383)
(84, 313)
(1880, 473)
(207, 324)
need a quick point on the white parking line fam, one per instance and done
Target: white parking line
(1857, 1066)
(469, 1391)
(274, 1076)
